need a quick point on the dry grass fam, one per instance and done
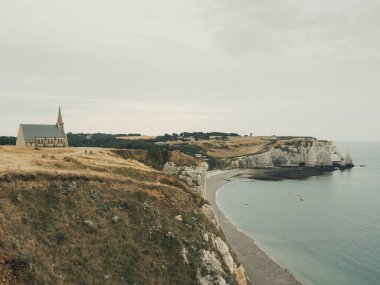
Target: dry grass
(45, 239)
(137, 138)
(85, 161)
(181, 159)
(235, 146)
(240, 146)
(47, 195)
(73, 164)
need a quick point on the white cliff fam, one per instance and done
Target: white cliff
(218, 263)
(192, 176)
(299, 151)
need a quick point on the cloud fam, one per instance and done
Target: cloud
(150, 118)
(274, 66)
(298, 28)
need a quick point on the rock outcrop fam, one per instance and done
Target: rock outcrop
(297, 152)
(208, 211)
(215, 270)
(192, 176)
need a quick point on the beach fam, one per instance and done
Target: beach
(259, 267)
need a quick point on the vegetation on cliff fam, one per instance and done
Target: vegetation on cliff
(90, 216)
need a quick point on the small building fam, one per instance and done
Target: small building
(32, 135)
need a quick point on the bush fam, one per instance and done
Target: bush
(60, 237)
(158, 156)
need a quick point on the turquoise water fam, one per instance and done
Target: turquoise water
(332, 236)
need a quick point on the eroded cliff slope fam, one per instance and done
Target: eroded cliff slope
(73, 217)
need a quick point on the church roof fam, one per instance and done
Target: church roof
(41, 131)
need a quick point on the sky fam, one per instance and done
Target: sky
(283, 67)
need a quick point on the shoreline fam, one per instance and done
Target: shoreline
(260, 268)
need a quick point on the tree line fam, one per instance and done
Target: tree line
(195, 135)
(7, 140)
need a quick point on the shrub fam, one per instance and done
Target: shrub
(60, 237)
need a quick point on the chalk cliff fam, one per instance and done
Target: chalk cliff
(192, 176)
(296, 152)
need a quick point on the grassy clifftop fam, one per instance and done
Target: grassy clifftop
(70, 217)
(235, 146)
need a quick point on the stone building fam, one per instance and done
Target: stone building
(31, 135)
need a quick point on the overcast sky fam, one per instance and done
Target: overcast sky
(284, 67)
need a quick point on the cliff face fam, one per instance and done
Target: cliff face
(300, 151)
(195, 178)
(192, 176)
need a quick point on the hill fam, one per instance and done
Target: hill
(95, 216)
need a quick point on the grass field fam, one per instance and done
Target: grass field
(137, 137)
(240, 146)
(81, 161)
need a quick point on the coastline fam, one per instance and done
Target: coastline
(259, 267)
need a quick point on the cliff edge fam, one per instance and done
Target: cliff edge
(90, 216)
(270, 151)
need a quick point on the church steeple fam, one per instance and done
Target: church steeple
(59, 120)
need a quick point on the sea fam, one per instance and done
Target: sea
(325, 230)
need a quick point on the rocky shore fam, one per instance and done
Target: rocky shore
(280, 173)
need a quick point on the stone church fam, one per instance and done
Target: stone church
(30, 135)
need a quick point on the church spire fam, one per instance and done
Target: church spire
(59, 120)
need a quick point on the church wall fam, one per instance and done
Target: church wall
(20, 142)
(51, 142)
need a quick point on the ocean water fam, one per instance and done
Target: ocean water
(332, 236)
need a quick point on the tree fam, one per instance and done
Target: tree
(7, 140)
